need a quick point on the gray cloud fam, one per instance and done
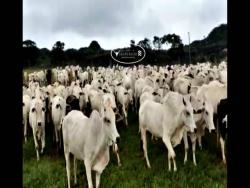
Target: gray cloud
(114, 23)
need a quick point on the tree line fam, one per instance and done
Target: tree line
(212, 48)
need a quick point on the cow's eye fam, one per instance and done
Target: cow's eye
(33, 110)
(43, 109)
(106, 120)
(206, 112)
(187, 112)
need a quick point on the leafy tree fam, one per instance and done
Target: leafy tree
(157, 42)
(145, 43)
(29, 44)
(172, 39)
(30, 53)
(59, 46)
(57, 53)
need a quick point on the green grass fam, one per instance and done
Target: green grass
(50, 171)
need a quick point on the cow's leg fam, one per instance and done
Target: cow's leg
(199, 141)
(88, 172)
(125, 114)
(25, 129)
(136, 105)
(75, 170)
(53, 133)
(36, 145)
(175, 168)
(222, 144)
(43, 140)
(144, 140)
(215, 118)
(171, 154)
(67, 159)
(185, 139)
(56, 133)
(60, 138)
(169, 161)
(115, 150)
(97, 179)
(133, 105)
(193, 150)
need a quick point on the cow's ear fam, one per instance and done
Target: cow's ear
(183, 100)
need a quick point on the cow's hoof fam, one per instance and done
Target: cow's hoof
(119, 164)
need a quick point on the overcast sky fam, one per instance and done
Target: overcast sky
(113, 23)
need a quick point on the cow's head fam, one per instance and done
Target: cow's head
(208, 116)
(187, 116)
(83, 95)
(109, 121)
(38, 112)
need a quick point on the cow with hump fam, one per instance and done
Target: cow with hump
(167, 121)
(37, 123)
(88, 139)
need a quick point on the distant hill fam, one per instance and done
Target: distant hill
(212, 48)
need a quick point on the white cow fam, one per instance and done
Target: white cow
(41, 77)
(124, 98)
(167, 121)
(139, 84)
(88, 139)
(153, 96)
(213, 93)
(95, 99)
(84, 77)
(58, 112)
(203, 117)
(26, 110)
(37, 123)
(182, 85)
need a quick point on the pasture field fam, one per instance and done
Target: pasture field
(50, 171)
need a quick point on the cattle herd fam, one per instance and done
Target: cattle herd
(173, 102)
